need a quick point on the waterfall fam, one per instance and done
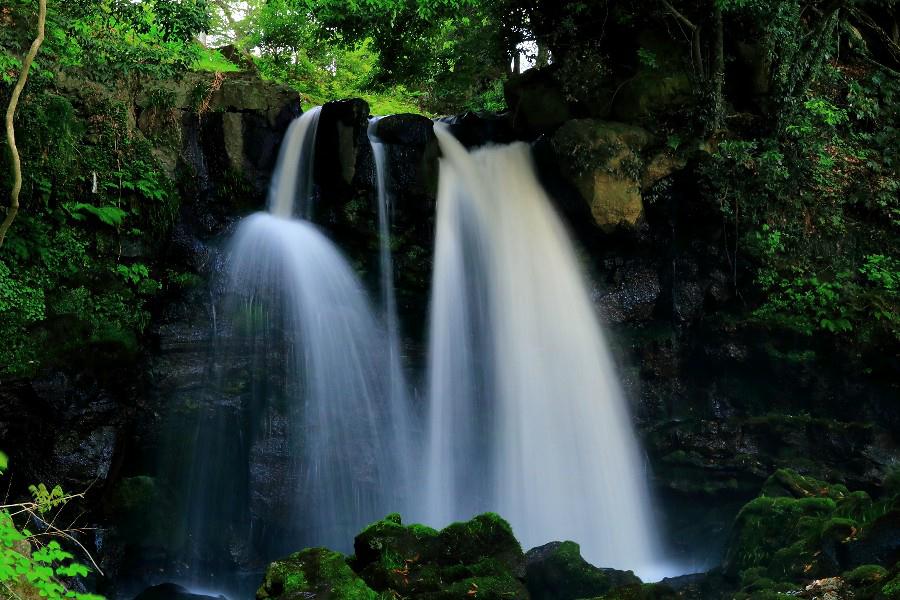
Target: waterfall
(292, 179)
(345, 431)
(526, 416)
(304, 440)
(386, 262)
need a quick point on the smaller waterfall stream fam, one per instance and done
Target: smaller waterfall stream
(526, 417)
(386, 261)
(309, 441)
(291, 190)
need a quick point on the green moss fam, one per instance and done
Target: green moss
(502, 587)
(794, 532)
(891, 589)
(417, 561)
(865, 575)
(782, 534)
(315, 572)
(787, 483)
(557, 571)
(646, 591)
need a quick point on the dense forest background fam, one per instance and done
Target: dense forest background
(779, 118)
(795, 103)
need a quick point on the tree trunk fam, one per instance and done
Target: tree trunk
(717, 77)
(543, 56)
(10, 128)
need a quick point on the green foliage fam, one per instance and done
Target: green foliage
(891, 589)
(27, 573)
(68, 289)
(110, 215)
(88, 172)
(780, 536)
(812, 209)
(213, 60)
(42, 571)
(400, 55)
(647, 58)
(47, 499)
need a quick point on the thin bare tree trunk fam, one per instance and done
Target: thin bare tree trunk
(11, 113)
(718, 68)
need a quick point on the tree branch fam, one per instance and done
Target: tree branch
(10, 128)
(687, 22)
(696, 52)
(889, 44)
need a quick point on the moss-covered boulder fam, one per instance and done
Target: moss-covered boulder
(641, 591)
(557, 571)
(802, 529)
(790, 535)
(602, 160)
(480, 558)
(313, 574)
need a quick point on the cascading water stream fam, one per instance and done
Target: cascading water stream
(386, 262)
(291, 190)
(526, 417)
(321, 410)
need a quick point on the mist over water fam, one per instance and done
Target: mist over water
(526, 416)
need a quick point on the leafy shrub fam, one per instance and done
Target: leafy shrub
(25, 573)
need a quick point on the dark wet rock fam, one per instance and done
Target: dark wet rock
(536, 102)
(688, 300)
(879, 543)
(85, 459)
(736, 455)
(404, 129)
(272, 481)
(711, 585)
(171, 591)
(649, 591)
(556, 571)
(341, 141)
(475, 129)
(411, 152)
(632, 295)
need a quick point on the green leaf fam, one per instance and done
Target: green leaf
(109, 215)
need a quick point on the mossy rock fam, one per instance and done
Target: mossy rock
(802, 529)
(787, 483)
(314, 574)
(557, 571)
(479, 558)
(865, 575)
(779, 534)
(891, 589)
(645, 591)
(602, 160)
